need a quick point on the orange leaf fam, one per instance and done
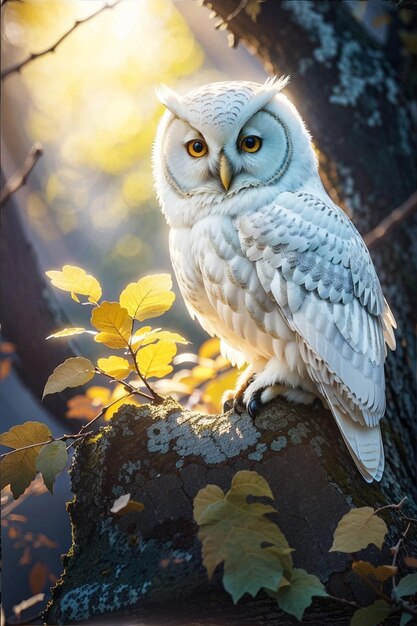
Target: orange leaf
(37, 577)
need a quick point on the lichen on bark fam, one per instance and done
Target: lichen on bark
(162, 455)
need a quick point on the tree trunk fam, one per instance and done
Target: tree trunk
(29, 313)
(162, 456)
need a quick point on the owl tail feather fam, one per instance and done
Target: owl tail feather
(363, 442)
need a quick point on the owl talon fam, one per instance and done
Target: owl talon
(228, 405)
(238, 405)
(255, 404)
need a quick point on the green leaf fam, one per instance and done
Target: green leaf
(371, 615)
(407, 586)
(357, 529)
(18, 469)
(235, 532)
(73, 372)
(249, 569)
(295, 598)
(51, 460)
(405, 618)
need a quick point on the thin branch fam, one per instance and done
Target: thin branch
(343, 601)
(395, 551)
(35, 55)
(20, 177)
(155, 396)
(127, 386)
(394, 219)
(391, 506)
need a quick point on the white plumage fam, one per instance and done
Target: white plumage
(267, 262)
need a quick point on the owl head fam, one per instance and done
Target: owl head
(227, 148)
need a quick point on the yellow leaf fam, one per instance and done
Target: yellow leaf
(19, 468)
(247, 483)
(69, 332)
(76, 281)
(151, 296)
(155, 359)
(357, 529)
(146, 335)
(119, 393)
(25, 434)
(73, 372)
(116, 406)
(210, 348)
(219, 385)
(124, 504)
(204, 498)
(114, 323)
(115, 366)
(381, 572)
(101, 394)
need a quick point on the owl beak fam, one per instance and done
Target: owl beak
(225, 171)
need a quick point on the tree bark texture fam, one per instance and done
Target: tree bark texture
(162, 456)
(29, 312)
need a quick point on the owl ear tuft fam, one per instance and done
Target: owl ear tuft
(265, 93)
(169, 98)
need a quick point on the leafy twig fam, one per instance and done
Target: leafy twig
(155, 396)
(20, 177)
(394, 219)
(35, 55)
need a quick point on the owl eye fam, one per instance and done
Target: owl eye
(251, 143)
(197, 148)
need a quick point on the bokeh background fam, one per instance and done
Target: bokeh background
(90, 201)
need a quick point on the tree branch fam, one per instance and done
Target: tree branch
(394, 219)
(20, 177)
(35, 55)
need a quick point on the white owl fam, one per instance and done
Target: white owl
(268, 263)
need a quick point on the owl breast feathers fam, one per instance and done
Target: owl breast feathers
(267, 262)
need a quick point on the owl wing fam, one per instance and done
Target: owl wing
(310, 258)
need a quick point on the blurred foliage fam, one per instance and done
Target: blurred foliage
(92, 105)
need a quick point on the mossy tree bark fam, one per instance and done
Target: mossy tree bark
(162, 456)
